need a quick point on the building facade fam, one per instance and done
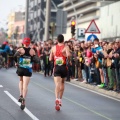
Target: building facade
(109, 21)
(11, 20)
(37, 10)
(82, 11)
(16, 25)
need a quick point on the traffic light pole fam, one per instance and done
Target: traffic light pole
(47, 18)
(75, 16)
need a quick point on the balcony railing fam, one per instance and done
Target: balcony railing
(83, 11)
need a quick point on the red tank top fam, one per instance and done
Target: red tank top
(59, 58)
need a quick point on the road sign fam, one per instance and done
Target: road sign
(93, 28)
(81, 33)
(91, 37)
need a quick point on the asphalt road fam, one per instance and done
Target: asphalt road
(78, 104)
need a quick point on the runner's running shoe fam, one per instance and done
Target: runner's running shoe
(60, 103)
(57, 107)
(20, 98)
(22, 104)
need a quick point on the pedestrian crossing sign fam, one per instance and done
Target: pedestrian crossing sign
(93, 28)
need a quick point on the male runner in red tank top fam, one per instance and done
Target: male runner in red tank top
(59, 53)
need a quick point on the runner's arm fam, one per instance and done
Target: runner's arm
(68, 54)
(51, 55)
(35, 58)
(16, 55)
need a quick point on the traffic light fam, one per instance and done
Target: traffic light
(73, 23)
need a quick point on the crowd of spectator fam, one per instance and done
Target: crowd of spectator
(7, 52)
(96, 63)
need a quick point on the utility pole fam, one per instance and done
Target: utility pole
(47, 18)
(26, 18)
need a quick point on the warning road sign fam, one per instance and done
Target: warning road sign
(92, 28)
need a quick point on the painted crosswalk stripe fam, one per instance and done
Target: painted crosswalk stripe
(25, 110)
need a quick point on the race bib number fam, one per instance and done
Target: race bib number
(25, 62)
(59, 61)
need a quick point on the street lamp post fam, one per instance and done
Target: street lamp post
(47, 19)
(77, 24)
(26, 18)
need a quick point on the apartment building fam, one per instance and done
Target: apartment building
(16, 24)
(82, 11)
(109, 21)
(37, 11)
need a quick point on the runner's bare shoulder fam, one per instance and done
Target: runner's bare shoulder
(32, 52)
(21, 51)
(64, 50)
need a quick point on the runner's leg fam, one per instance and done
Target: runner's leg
(57, 81)
(21, 85)
(25, 85)
(20, 89)
(25, 89)
(62, 86)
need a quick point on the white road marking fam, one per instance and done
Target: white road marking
(1, 86)
(26, 110)
(94, 92)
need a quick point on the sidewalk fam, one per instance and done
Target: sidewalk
(97, 89)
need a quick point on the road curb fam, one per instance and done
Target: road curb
(97, 89)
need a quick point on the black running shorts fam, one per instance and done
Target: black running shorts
(60, 71)
(23, 72)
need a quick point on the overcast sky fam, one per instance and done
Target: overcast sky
(6, 6)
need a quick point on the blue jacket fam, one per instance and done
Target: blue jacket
(6, 49)
(96, 49)
(100, 55)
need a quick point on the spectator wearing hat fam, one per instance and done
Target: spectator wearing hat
(5, 50)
